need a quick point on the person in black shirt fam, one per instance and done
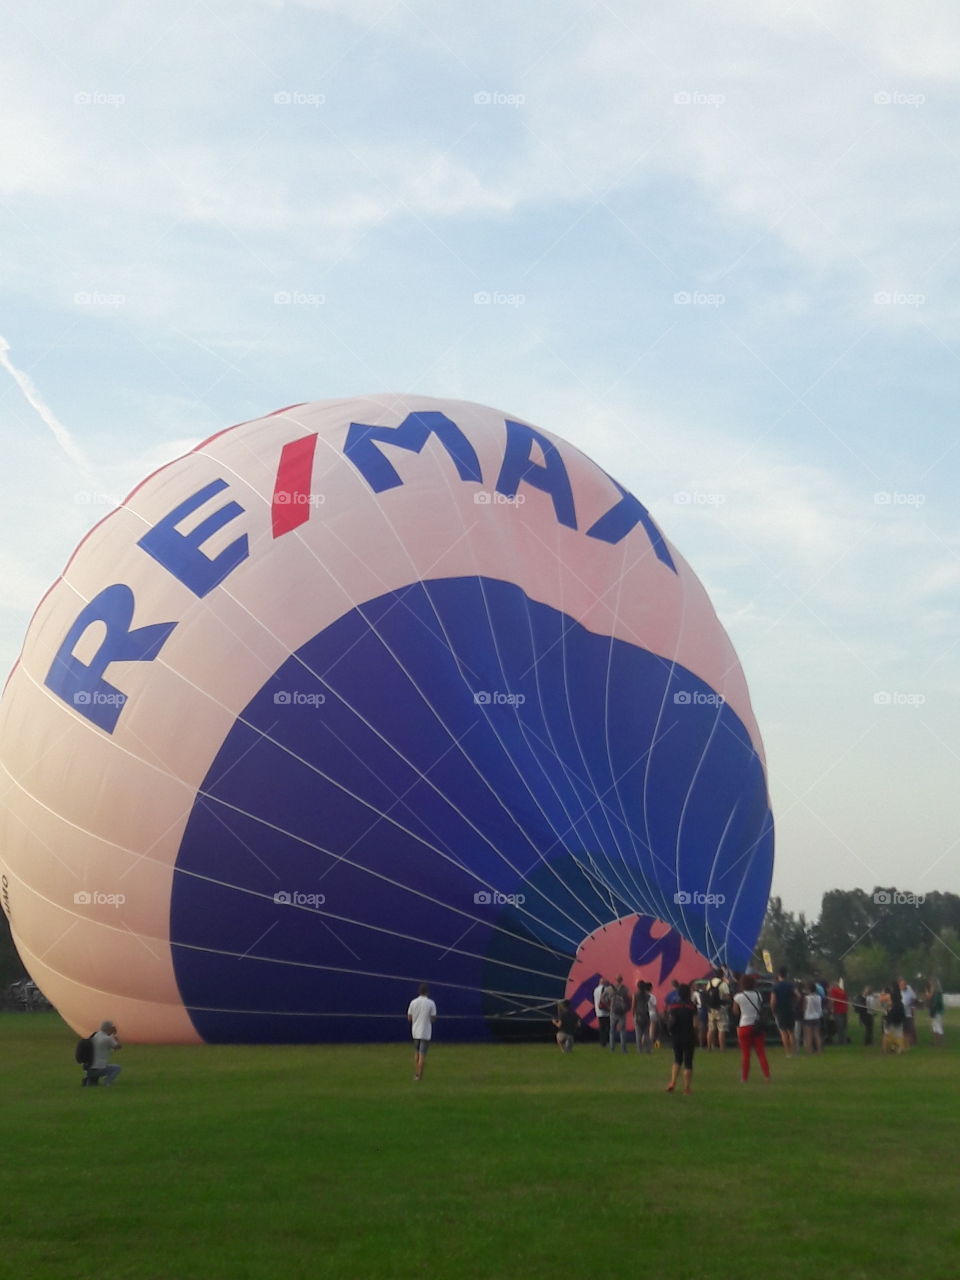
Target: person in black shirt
(567, 1024)
(683, 1034)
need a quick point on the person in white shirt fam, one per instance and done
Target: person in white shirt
(104, 1043)
(603, 1013)
(909, 997)
(749, 1004)
(421, 1015)
(812, 1013)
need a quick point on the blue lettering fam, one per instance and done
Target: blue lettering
(644, 947)
(81, 685)
(412, 434)
(615, 524)
(518, 467)
(180, 553)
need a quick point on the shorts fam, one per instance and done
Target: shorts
(565, 1041)
(785, 1022)
(717, 1018)
(683, 1054)
(421, 1047)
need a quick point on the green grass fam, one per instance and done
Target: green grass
(222, 1163)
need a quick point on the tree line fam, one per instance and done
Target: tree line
(868, 938)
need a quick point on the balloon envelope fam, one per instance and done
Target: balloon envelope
(367, 693)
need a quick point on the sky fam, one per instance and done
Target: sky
(715, 247)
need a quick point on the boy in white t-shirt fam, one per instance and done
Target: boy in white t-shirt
(421, 1015)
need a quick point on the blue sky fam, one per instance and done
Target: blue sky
(716, 247)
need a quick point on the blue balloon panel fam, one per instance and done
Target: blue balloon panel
(454, 783)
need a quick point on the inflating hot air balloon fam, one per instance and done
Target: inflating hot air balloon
(364, 693)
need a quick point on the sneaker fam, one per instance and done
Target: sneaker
(670, 1088)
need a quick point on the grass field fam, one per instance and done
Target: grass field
(228, 1163)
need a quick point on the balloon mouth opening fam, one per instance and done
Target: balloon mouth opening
(634, 948)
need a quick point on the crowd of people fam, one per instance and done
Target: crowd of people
(807, 1014)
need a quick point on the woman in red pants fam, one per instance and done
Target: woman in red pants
(749, 1001)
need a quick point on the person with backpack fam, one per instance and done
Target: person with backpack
(619, 1005)
(93, 1054)
(750, 1033)
(717, 993)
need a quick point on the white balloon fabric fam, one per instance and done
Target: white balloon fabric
(364, 693)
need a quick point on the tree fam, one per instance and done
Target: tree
(868, 966)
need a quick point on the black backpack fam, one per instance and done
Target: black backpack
(714, 999)
(83, 1053)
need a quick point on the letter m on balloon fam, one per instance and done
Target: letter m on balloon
(362, 447)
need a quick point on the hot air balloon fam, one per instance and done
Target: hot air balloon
(368, 692)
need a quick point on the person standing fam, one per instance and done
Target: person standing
(699, 999)
(749, 1003)
(567, 1024)
(812, 1014)
(619, 1006)
(421, 1014)
(641, 1018)
(784, 999)
(839, 1007)
(654, 1015)
(681, 1016)
(866, 1007)
(935, 1009)
(909, 998)
(718, 1002)
(104, 1043)
(893, 1021)
(601, 1006)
